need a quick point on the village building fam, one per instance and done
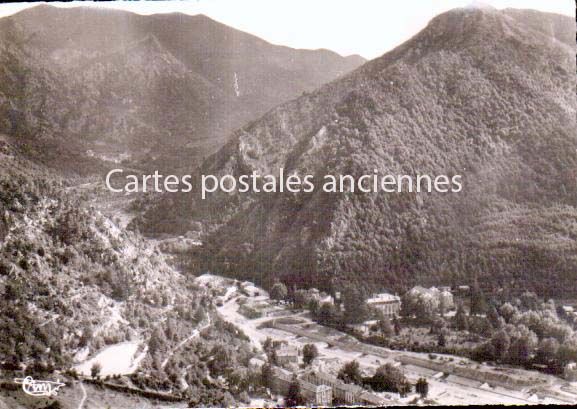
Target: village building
(437, 296)
(370, 399)
(287, 355)
(570, 372)
(327, 299)
(388, 304)
(250, 289)
(315, 395)
(320, 297)
(256, 363)
(347, 393)
(568, 310)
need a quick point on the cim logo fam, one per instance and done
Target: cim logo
(39, 388)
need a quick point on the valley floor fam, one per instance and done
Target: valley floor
(443, 390)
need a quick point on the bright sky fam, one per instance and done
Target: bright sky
(366, 27)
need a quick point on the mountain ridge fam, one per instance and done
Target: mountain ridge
(69, 40)
(497, 106)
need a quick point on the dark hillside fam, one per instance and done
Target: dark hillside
(160, 91)
(486, 94)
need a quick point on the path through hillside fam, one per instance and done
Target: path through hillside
(84, 396)
(194, 334)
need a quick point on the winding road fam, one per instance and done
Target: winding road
(84, 396)
(194, 334)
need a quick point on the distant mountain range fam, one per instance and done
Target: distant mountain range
(486, 94)
(158, 91)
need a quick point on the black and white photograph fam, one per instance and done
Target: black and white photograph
(288, 203)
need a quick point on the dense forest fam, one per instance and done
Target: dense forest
(73, 283)
(485, 94)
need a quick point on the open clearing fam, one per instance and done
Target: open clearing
(118, 359)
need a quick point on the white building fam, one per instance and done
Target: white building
(256, 363)
(570, 372)
(435, 295)
(569, 310)
(388, 304)
(287, 355)
(250, 289)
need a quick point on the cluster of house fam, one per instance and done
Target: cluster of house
(390, 305)
(316, 395)
(441, 296)
(250, 289)
(317, 386)
(322, 389)
(320, 297)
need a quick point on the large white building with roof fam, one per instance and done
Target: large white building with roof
(388, 304)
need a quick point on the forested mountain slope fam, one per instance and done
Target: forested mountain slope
(73, 284)
(486, 94)
(152, 91)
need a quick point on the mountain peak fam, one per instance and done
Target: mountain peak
(476, 27)
(479, 5)
(476, 94)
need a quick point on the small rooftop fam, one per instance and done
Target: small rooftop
(383, 297)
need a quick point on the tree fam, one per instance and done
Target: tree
(326, 314)
(437, 325)
(156, 340)
(478, 304)
(388, 378)
(222, 359)
(299, 299)
(501, 343)
(461, 321)
(12, 291)
(385, 327)
(278, 291)
(547, 350)
(523, 343)
(294, 396)
(313, 307)
(356, 310)
(484, 352)
(273, 358)
(493, 317)
(87, 335)
(4, 267)
(530, 301)
(266, 375)
(397, 325)
(244, 398)
(351, 373)
(267, 345)
(442, 306)
(416, 304)
(508, 312)
(310, 352)
(54, 405)
(442, 340)
(567, 352)
(422, 387)
(95, 370)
